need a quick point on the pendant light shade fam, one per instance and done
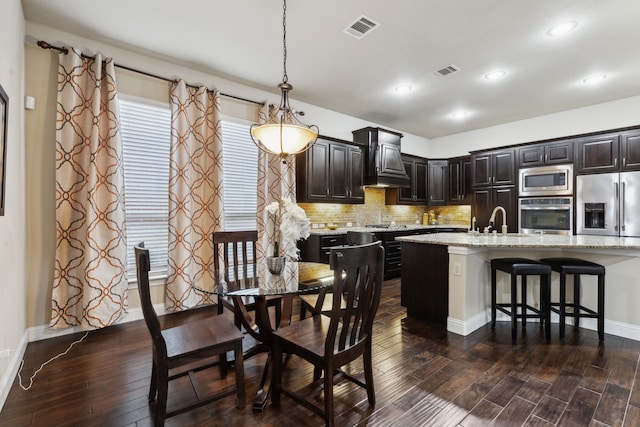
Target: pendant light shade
(283, 133)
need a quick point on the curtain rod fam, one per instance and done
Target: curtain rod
(44, 45)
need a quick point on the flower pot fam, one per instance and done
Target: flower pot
(275, 264)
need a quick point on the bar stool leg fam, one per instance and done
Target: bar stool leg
(545, 304)
(576, 300)
(514, 297)
(523, 310)
(493, 298)
(601, 307)
(563, 297)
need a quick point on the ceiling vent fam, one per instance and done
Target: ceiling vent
(449, 69)
(361, 27)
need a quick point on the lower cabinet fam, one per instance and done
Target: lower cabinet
(316, 247)
(425, 282)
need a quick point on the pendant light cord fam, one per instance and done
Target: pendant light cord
(285, 78)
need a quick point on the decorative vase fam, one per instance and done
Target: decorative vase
(275, 264)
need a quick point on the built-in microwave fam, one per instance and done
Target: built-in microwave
(556, 180)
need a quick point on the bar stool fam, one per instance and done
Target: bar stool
(522, 267)
(576, 266)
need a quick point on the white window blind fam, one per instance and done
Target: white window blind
(240, 168)
(146, 132)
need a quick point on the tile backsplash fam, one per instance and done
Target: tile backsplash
(375, 211)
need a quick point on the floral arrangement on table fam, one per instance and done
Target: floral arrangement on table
(293, 225)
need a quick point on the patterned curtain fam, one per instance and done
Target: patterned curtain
(275, 180)
(195, 194)
(90, 284)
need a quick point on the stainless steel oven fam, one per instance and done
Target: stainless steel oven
(549, 215)
(556, 180)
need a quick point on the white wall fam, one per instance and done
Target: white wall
(609, 115)
(12, 224)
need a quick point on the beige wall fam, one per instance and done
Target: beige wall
(12, 224)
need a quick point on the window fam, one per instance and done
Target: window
(146, 131)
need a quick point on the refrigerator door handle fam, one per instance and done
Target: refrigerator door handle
(617, 204)
(622, 206)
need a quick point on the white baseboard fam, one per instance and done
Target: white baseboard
(42, 332)
(611, 327)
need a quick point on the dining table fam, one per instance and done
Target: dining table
(260, 326)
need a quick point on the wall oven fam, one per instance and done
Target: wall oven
(548, 215)
(556, 180)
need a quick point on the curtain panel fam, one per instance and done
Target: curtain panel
(276, 179)
(195, 194)
(90, 284)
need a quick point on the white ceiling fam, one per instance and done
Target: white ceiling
(242, 40)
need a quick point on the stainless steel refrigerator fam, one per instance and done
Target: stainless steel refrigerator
(608, 204)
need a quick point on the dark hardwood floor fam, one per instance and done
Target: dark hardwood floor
(423, 376)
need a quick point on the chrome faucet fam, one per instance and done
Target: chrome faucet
(504, 219)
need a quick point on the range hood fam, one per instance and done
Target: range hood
(383, 161)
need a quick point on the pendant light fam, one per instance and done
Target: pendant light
(283, 133)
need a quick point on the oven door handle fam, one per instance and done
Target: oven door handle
(546, 208)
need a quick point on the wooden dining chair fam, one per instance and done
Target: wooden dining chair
(185, 349)
(322, 301)
(236, 250)
(330, 342)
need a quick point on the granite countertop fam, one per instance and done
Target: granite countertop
(343, 230)
(524, 241)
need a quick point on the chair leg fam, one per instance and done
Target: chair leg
(601, 307)
(153, 386)
(239, 368)
(368, 374)
(223, 365)
(576, 300)
(545, 304)
(524, 302)
(328, 396)
(278, 309)
(303, 311)
(317, 373)
(514, 297)
(493, 298)
(563, 303)
(161, 401)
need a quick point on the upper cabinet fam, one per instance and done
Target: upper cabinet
(493, 168)
(548, 153)
(330, 171)
(438, 182)
(417, 192)
(630, 150)
(460, 180)
(610, 152)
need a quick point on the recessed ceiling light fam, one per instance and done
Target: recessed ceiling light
(495, 75)
(403, 89)
(562, 29)
(596, 78)
(459, 114)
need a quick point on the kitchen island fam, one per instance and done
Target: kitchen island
(446, 277)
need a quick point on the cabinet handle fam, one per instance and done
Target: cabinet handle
(540, 158)
(546, 158)
(615, 162)
(624, 161)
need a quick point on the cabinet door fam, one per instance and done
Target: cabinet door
(317, 176)
(558, 152)
(531, 156)
(507, 198)
(355, 174)
(481, 170)
(630, 151)
(455, 185)
(438, 182)
(597, 154)
(503, 167)
(481, 206)
(405, 194)
(338, 172)
(465, 180)
(421, 190)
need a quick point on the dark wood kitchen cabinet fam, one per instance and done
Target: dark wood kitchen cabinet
(383, 160)
(494, 179)
(418, 192)
(438, 182)
(316, 247)
(630, 150)
(331, 171)
(491, 168)
(460, 180)
(599, 153)
(548, 153)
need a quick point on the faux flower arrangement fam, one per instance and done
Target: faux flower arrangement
(293, 225)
